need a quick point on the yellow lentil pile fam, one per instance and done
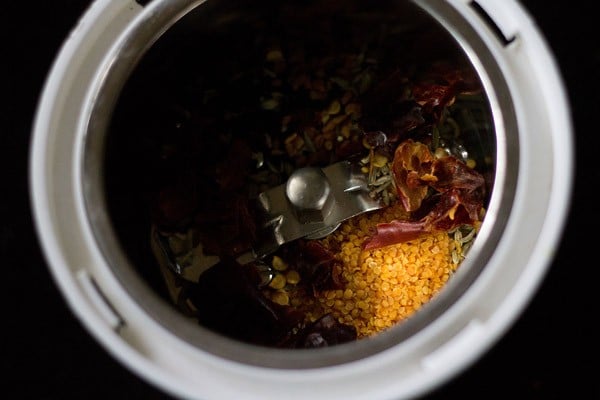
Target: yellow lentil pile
(386, 285)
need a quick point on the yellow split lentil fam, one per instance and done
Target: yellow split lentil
(384, 286)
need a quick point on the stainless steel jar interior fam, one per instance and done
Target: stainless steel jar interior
(151, 71)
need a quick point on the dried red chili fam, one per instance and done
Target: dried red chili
(459, 200)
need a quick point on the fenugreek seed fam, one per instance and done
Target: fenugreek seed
(292, 276)
(365, 143)
(334, 122)
(278, 282)
(293, 144)
(379, 160)
(278, 263)
(440, 152)
(281, 298)
(334, 108)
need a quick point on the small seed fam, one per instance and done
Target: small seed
(280, 298)
(278, 282)
(379, 160)
(293, 277)
(334, 108)
(278, 264)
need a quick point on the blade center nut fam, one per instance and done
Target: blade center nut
(309, 192)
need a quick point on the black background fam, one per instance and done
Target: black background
(550, 353)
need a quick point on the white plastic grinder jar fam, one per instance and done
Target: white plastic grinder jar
(158, 92)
